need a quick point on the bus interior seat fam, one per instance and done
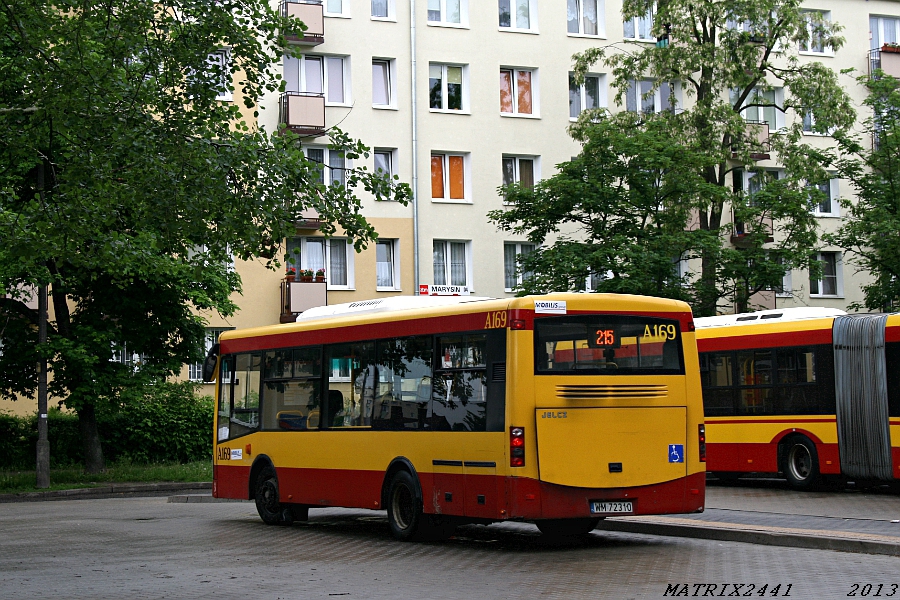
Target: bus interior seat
(312, 421)
(291, 419)
(423, 390)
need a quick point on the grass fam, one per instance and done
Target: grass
(12, 482)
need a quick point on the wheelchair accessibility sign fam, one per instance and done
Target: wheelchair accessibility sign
(676, 453)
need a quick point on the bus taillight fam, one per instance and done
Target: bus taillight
(516, 447)
(702, 432)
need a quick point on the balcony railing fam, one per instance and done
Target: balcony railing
(312, 15)
(757, 136)
(741, 236)
(886, 58)
(303, 112)
(297, 297)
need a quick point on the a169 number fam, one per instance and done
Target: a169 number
(666, 332)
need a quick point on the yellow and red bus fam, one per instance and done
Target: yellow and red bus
(559, 409)
(807, 392)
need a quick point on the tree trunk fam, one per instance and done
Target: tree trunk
(90, 439)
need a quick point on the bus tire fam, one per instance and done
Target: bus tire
(404, 508)
(270, 510)
(801, 463)
(567, 527)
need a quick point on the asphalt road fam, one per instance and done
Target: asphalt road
(151, 548)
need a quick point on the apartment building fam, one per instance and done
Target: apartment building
(458, 97)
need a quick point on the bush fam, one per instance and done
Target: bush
(168, 423)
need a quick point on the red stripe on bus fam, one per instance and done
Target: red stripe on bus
(764, 340)
(892, 334)
(788, 421)
(407, 327)
(502, 497)
(369, 331)
(763, 457)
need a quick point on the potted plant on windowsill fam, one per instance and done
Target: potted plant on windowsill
(290, 274)
(306, 275)
(891, 48)
(320, 276)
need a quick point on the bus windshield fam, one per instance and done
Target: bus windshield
(608, 345)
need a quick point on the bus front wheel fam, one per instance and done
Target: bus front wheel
(567, 527)
(270, 510)
(801, 464)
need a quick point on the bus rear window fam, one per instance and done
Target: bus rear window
(608, 345)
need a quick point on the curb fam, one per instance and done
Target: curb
(199, 499)
(111, 491)
(775, 537)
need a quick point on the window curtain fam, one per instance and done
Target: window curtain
(457, 263)
(440, 263)
(338, 263)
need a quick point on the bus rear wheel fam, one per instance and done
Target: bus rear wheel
(404, 509)
(567, 527)
(270, 510)
(801, 464)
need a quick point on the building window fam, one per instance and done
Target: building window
(220, 62)
(122, 355)
(639, 28)
(336, 8)
(383, 9)
(830, 283)
(519, 169)
(587, 95)
(642, 94)
(327, 75)
(517, 14)
(451, 266)
(883, 30)
(825, 203)
(334, 165)
(445, 84)
(448, 12)
(762, 107)
(384, 161)
(382, 84)
(516, 91)
(195, 370)
(315, 253)
(584, 16)
(386, 268)
(513, 276)
(816, 42)
(448, 176)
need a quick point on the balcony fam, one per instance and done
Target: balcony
(757, 137)
(297, 296)
(887, 58)
(742, 235)
(303, 113)
(311, 13)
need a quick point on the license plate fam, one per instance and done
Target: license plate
(612, 507)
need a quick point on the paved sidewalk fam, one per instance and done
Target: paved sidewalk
(768, 513)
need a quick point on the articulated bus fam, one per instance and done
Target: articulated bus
(559, 410)
(807, 392)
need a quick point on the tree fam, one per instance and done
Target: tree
(730, 57)
(127, 186)
(870, 225)
(619, 211)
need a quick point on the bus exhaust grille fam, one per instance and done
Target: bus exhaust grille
(499, 372)
(595, 392)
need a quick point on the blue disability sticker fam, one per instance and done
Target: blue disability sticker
(676, 453)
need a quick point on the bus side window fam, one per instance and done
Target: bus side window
(293, 389)
(892, 359)
(353, 376)
(226, 383)
(245, 405)
(403, 398)
(459, 386)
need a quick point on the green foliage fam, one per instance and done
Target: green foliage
(165, 423)
(123, 471)
(728, 57)
(128, 187)
(620, 209)
(870, 224)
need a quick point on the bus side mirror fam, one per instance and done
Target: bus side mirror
(209, 365)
